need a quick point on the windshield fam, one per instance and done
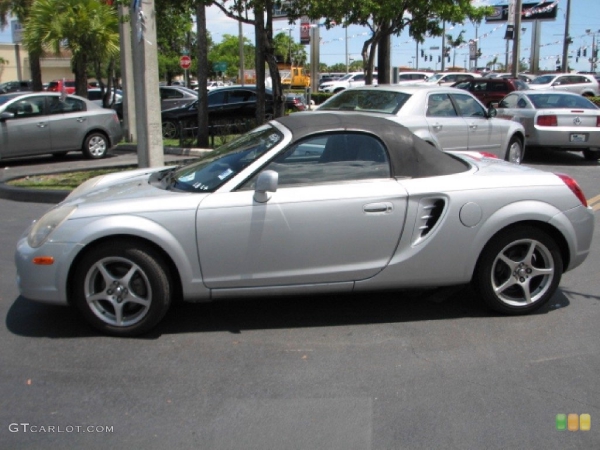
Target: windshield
(370, 100)
(549, 101)
(220, 165)
(543, 79)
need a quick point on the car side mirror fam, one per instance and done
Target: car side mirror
(265, 183)
(6, 115)
(492, 112)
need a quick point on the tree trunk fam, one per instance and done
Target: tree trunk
(36, 72)
(81, 83)
(384, 58)
(260, 40)
(278, 97)
(202, 74)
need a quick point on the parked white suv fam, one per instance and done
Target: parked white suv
(352, 79)
(411, 77)
(571, 82)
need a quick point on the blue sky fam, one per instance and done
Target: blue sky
(585, 15)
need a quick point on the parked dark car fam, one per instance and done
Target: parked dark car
(227, 106)
(491, 90)
(15, 86)
(175, 96)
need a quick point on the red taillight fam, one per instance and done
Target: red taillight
(547, 121)
(572, 184)
(598, 121)
(488, 155)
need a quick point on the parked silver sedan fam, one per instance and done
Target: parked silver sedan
(556, 120)
(306, 204)
(448, 118)
(38, 123)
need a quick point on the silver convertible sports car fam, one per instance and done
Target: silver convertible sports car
(309, 203)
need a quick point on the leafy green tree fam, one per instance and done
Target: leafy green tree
(259, 13)
(174, 36)
(385, 18)
(88, 28)
(289, 51)
(228, 51)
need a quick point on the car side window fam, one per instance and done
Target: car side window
(468, 106)
(241, 96)
(330, 158)
(510, 101)
(216, 98)
(28, 107)
(440, 105)
(170, 93)
(68, 105)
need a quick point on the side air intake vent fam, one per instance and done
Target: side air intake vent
(430, 212)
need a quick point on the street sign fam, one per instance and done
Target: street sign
(185, 62)
(220, 66)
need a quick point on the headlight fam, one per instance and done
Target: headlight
(42, 229)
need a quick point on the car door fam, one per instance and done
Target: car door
(337, 216)
(484, 134)
(27, 132)
(449, 128)
(68, 121)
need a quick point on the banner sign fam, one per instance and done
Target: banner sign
(542, 10)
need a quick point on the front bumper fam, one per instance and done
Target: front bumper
(44, 283)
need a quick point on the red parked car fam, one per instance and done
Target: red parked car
(57, 86)
(491, 90)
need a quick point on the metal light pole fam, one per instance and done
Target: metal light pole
(567, 41)
(516, 39)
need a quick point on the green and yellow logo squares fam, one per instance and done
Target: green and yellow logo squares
(573, 422)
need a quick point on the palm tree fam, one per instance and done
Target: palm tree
(88, 28)
(20, 9)
(460, 40)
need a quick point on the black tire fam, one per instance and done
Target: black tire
(95, 146)
(591, 155)
(515, 151)
(170, 129)
(122, 289)
(519, 270)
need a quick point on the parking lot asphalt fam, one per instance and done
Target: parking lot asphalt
(121, 156)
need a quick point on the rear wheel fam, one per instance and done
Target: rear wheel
(95, 146)
(514, 153)
(519, 270)
(122, 289)
(591, 155)
(170, 130)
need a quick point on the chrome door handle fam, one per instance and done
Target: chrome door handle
(438, 127)
(382, 207)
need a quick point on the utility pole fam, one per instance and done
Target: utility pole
(517, 38)
(565, 60)
(147, 96)
(127, 76)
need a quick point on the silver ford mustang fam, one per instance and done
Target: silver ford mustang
(310, 203)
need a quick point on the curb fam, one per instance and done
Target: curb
(54, 196)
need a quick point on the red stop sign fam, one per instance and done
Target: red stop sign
(185, 62)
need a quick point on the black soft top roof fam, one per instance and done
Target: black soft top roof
(409, 155)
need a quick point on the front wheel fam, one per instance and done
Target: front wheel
(122, 289)
(514, 153)
(95, 146)
(591, 155)
(519, 270)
